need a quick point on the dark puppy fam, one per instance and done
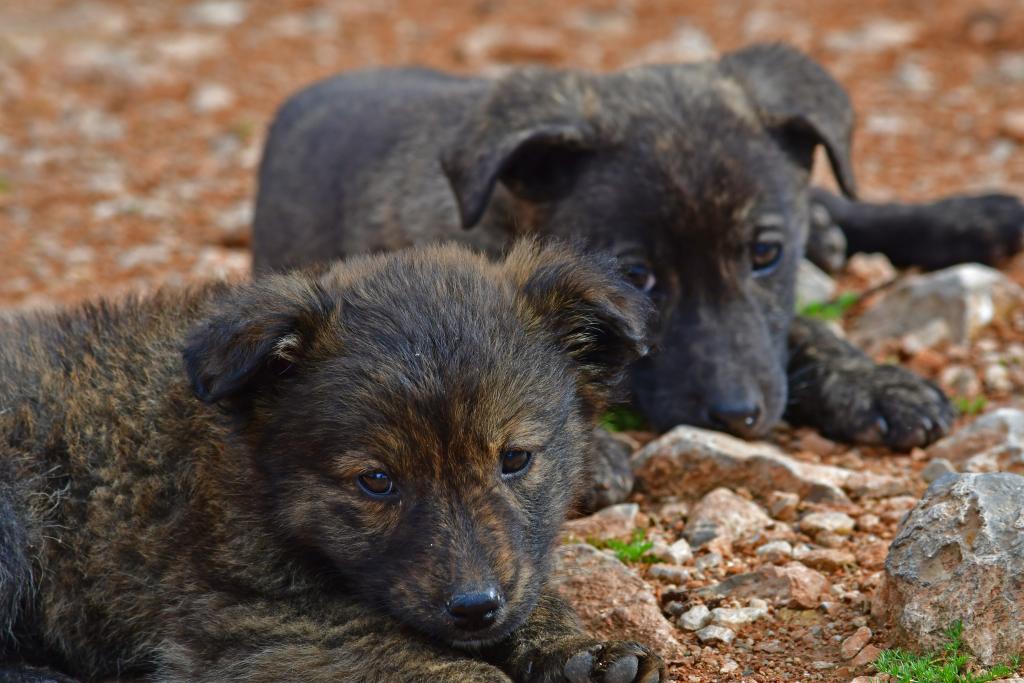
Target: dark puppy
(368, 490)
(695, 176)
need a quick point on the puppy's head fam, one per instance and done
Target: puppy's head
(696, 177)
(420, 420)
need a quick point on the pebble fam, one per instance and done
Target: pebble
(828, 522)
(695, 618)
(852, 646)
(775, 551)
(678, 552)
(211, 97)
(737, 616)
(826, 559)
(936, 468)
(669, 573)
(782, 505)
(217, 13)
(716, 634)
(866, 656)
(709, 561)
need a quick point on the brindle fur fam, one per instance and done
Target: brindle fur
(203, 523)
(676, 167)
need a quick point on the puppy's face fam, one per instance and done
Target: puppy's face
(430, 434)
(696, 178)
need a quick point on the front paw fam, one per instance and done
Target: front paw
(883, 404)
(615, 662)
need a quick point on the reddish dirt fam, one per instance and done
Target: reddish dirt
(130, 135)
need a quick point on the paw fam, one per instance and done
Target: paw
(611, 477)
(883, 405)
(615, 662)
(986, 228)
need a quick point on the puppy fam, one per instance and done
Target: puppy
(694, 175)
(355, 474)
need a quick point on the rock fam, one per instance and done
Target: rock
(961, 380)
(791, 585)
(870, 269)
(947, 305)
(813, 285)
(868, 655)
(217, 13)
(914, 77)
(775, 551)
(782, 505)
(1012, 124)
(993, 442)
(876, 35)
(670, 573)
(960, 556)
(936, 468)
(675, 553)
(827, 522)
(613, 602)
(722, 513)
(826, 559)
(716, 634)
(686, 44)
(617, 521)
(211, 97)
(492, 44)
(852, 646)
(695, 618)
(709, 561)
(689, 461)
(997, 379)
(737, 616)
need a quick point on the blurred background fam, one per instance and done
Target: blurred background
(130, 130)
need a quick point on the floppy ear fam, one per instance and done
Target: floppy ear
(256, 335)
(799, 101)
(536, 162)
(597, 319)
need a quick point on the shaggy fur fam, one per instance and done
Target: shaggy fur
(684, 172)
(203, 521)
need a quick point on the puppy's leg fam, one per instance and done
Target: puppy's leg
(958, 229)
(267, 642)
(609, 476)
(552, 647)
(836, 388)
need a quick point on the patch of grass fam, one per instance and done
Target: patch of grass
(970, 406)
(632, 552)
(623, 419)
(951, 665)
(831, 310)
(5, 185)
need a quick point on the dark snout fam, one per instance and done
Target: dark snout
(475, 610)
(719, 371)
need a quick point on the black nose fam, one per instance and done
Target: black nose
(737, 418)
(474, 611)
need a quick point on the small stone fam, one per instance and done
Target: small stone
(915, 77)
(791, 585)
(737, 616)
(722, 513)
(865, 657)
(709, 561)
(218, 13)
(679, 552)
(996, 437)
(695, 618)
(1012, 124)
(728, 666)
(776, 551)
(997, 379)
(871, 270)
(782, 505)
(617, 521)
(211, 97)
(827, 559)
(952, 305)
(852, 646)
(960, 380)
(670, 573)
(869, 522)
(828, 522)
(716, 634)
(936, 468)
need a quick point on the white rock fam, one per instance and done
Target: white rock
(689, 461)
(829, 522)
(722, 513)
(670, 573)
(947, 305)
(776, 551)
(716, 634)
(695, 618)
(936, 468)
(993, 442)
(678, 552)
(813, 285)
(211, 97)
(737, 616)
(218, 13)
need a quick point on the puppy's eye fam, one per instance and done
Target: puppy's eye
(376, 484)
(513, 461)
(765, 255)
(640, 276)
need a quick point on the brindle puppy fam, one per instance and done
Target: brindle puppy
(694, 175)
(358, 475)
